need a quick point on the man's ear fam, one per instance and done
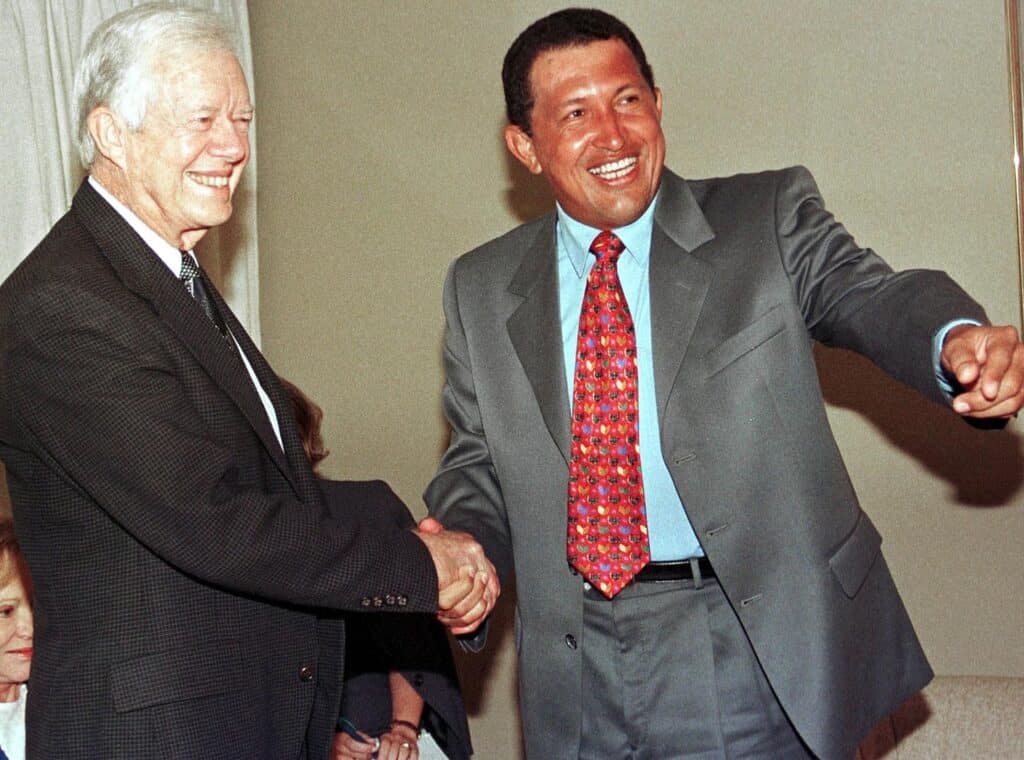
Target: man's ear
(108, 132)
(520, 145)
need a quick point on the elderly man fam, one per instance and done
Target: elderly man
(638, 431)
(186, 569)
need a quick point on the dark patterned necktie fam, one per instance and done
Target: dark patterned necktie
(607, 541)
(190, 275)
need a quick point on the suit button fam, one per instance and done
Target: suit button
(378, 602)
(390, 599)
(365, 601)
(570, 641)
(402, 600)
(306, 673)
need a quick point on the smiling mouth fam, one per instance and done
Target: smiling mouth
(21, 652)
(207, 181)
(614, 169)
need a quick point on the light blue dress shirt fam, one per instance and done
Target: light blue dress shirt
(672, 536)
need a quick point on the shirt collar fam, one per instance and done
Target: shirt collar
(575, 238)
(166, 252)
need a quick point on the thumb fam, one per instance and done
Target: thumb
(430, 525)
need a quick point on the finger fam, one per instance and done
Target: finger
(960, 358)
(1009, 378)
(464, 629)
(476, 591)
(451, 594)
(974, 403)
(994, 370)
(1006, 408)
(1002, 380)
(470, 621)
(478, 610)
(494, 585)
(353, 746)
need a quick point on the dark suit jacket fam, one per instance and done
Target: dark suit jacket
(745, 273)
(184, 565)
(414, 645)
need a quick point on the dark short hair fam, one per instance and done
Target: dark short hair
(565, 28)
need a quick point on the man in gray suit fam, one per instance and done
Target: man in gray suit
(757, 617)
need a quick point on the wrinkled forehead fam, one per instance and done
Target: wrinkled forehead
(198, 76)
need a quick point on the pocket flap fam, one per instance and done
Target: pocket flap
(177, 674)
(853, 559)
(765, 327)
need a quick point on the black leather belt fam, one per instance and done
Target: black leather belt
(676, 570)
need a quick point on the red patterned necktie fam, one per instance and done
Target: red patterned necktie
(607, 540)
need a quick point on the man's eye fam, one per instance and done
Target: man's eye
(576, 113)
(6, 611)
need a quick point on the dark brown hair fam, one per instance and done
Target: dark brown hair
(12, 562)
(308, 417)
(565, 28)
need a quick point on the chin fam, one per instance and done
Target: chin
(209, 218)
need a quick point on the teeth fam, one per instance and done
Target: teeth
(615, 169)
(202, 179)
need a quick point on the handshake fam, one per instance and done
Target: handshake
(467, 581)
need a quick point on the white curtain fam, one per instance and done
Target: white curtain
(40, 41)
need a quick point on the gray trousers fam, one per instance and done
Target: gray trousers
(668, 673)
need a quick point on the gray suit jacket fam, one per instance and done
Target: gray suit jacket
(745, 273)
(182, 561)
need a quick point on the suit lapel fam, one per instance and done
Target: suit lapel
(143, 273)
(535, 334)
(299, 468)
(679, 281)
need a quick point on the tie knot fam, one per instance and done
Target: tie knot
(189, 268)
(607, 247)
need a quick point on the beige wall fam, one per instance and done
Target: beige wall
(380, 161)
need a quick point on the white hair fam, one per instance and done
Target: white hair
(115, 69)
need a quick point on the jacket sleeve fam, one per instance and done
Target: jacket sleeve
(465, 493)
(852, 299)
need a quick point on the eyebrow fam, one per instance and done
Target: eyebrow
(574, 99)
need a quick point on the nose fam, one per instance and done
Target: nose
(609, 131)
(230, 139)
(24, 627)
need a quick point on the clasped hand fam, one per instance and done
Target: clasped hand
(467, 582)
(988, 364)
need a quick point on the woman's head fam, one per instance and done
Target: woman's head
(15, 613)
